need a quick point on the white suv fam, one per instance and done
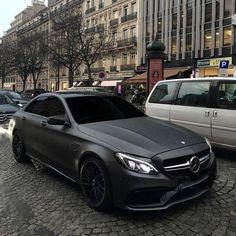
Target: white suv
(206, 106)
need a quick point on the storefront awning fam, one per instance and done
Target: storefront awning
(168, 72)
(110, 83)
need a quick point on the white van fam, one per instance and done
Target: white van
(206, 106)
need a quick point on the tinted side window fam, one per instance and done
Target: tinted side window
(194, 94)
(163, 93)
(55, 107)
(226, 98)
(46, 106)
(38, 106)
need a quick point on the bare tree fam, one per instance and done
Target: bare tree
(35, 49)
(6, 61)
(21, 61)
(94, 43)
(64, 43)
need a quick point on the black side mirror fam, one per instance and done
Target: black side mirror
(58, 120)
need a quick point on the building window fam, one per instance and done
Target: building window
(217, 9)
(227, 8)
(124, 59)
(88, 5)
(181, 43)
(125, 34)
(125, 11)
(114, 36)
(173, 45)
(217, 38)
(227, 36)
(113, 62)
(174, 21)
(208, 11)
(115, 14)
(189, 17)
(132, 58)
(92, 3)
(159, 28)
(207, 40)
(133, 32)
(133, 7)
(189, 42)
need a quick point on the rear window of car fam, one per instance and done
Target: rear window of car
(90, 109)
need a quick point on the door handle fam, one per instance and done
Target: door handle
(43, 123)
(23, 118)
(207, 113)
(215, 114)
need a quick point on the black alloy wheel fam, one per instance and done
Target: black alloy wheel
(18, 148)
(95, 184)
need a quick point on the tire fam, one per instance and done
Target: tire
(18, 148)
(95, 184)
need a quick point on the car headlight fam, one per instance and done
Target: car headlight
(209, 144)
(135, 164)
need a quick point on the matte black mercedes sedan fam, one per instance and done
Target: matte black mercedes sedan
(119, 155)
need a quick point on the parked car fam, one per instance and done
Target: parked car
(31, 93)
(7, 108)
(118, 154)
(15, 97)
(206, 106)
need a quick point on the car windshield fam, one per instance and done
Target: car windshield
(5, 100)
(90, 109)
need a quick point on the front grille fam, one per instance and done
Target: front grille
(180, 166)
(5, 118)
(184, 159)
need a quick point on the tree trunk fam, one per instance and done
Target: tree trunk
(71, 77)
(34, 81)
(90, 78)
(24, 82)
(3, 81)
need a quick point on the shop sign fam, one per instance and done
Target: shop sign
(216, 61)
(223, 73)
(203, 63)
(141, 68)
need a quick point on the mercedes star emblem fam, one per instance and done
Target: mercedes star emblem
(194, 164)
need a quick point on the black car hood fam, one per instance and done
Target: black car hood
(8, 108)
(144, 136)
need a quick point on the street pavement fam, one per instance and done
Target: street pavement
(44, 203)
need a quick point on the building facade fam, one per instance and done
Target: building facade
(196, 33)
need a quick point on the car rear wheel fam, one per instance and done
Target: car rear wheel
(18, 148)
(95, 184)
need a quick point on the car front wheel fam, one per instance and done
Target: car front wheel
(95, 184)
(18, 148)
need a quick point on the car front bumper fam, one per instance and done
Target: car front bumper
(139, 192)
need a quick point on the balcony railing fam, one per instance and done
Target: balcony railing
(114, 22)
(113, 68)
(131, 16)
(127, 67)
(90, 10)
(101, 5)
(127, 42)
(113, 1)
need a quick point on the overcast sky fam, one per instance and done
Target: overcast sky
(8, 10)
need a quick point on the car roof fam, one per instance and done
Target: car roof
(202, 79)
(74, 93)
